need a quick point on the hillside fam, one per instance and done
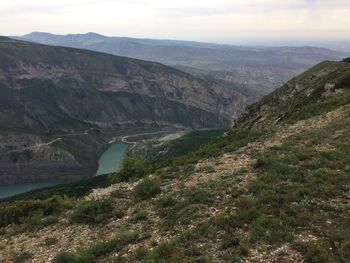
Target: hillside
(257, 70)
(60, 106)
(275, 188)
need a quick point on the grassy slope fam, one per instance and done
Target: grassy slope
(275, 193)
(161, 154)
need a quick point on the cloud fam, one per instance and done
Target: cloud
(189, 19)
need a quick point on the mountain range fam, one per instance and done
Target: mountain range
(256, 70)
(60, 106)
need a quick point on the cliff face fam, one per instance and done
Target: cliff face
(46, 92)
(28, 158)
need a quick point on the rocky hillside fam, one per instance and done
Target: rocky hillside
(259, 70)
(61, 105)
(274, 189)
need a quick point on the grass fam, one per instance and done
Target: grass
(188, 143)
(98, 250)
(175, 210)
(296, 187)
(96, 211)
(33, 213)
(321, 106)
(180, 249)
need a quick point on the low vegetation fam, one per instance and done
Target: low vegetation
(131, 169)
(32, 213)
(91, 254)
(96, 211)
(147, 188)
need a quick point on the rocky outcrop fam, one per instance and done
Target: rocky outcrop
(27, 159)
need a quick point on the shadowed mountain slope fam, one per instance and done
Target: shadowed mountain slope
(61, 105)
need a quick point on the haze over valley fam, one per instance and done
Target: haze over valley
(256, 70)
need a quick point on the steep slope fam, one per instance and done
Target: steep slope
(257, 69)
(70, 102)
(273, 189)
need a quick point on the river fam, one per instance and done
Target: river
(109, 162)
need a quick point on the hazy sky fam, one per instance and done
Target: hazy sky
(203, 20)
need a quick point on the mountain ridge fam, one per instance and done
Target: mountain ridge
(257, 69)
(51, 91)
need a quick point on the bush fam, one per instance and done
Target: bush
(98, 250)
(270, 230)
(132, 168)
(166, 201)
(318, 253)
(147, 188)
(138, 216)
(95, 211)
(345, 250)
(49, 241)
(66, 257)
(23, 256)
(229, 241)
(181, 249)
(33, 212)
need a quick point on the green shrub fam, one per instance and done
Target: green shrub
(138, 216)
(270, 230)
(181, 249)
(49, 241)
(132, 168)
(345, 250)
(66, 257)
(23, 256)
(96, 211)
(193, 201)
(166, 201)
(33, 212)
(168, 252)
(318, 253)
(147, 188)
(98, 250)
(229, 241)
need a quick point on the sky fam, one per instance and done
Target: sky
(220, 21)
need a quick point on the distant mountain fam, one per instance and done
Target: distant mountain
(59, 106)
(259, 70)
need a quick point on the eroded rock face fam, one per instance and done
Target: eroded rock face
(85, 76)
(46, 92)
(28, 159)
